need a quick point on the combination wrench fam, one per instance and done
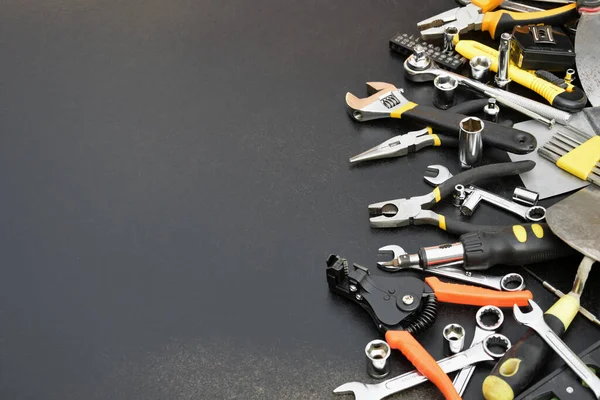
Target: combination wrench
(478, 353)
(482, 330)
(535, 320)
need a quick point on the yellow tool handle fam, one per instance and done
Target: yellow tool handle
(519, 366)
(487, 5)
(582, 159)
(498, 22)
(568, 100)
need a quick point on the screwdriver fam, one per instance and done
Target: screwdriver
(512, 245)
(582, 310)
(519, 365)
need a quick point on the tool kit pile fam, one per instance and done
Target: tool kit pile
(550, 53)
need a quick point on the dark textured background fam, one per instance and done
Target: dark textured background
(174, 174)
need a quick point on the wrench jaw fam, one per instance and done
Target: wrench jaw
(437, 174)
(360, 390)
(384, 99)
(530, 318)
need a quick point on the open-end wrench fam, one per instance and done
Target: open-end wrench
(478, 353)
(482, 330)
(535, 320)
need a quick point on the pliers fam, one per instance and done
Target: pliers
(403, 306)
(409, 142)
(416, 210)
(387, 101)
(472, 17)
(413, 141)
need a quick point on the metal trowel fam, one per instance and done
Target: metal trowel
(576, 220)
(587, 51)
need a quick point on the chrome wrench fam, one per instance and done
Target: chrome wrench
(461, 380)
(535, 320)
(534, 213)
(480, 352)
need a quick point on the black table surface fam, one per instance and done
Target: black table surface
(175, 174)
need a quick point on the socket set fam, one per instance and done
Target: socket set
(404, 43)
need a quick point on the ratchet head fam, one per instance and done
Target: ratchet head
(384, 99)
(437, 174)
(535, 315)
(403, 212)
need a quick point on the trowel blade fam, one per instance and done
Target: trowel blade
(587, 55)
(576, 220)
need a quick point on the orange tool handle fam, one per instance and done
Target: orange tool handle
(475, 296)
(422, 360)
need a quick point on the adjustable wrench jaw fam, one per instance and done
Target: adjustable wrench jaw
(403, 212)
(464, 19)
(384, 99)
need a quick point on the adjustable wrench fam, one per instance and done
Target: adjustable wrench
(535, 320)
(461, 380)
(478, 353)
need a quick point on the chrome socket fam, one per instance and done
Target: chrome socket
(460, 195)
(525, 196)
(491, 110)
(470, 143)
(449, 33)
(378, 354)
(502, 80)
(480, 68)
(455, 338)
(443, 93)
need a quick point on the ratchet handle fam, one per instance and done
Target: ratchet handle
(423, 361)
(520, 364)
(494, 135)
(512, 245)
(481, 173)
(475, 296)
(498, 22)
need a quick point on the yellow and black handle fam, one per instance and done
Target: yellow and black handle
(513, 245)
(571, 98)
(498, 22)
(494, 135)
(519, 366)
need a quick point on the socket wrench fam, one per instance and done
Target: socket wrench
(534, 213)
(535, 320)
(483, 351)
(482, 330)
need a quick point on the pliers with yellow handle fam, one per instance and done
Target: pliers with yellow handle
(559, 94)
(477, 16)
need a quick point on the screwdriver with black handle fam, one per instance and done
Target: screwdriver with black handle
(512, 245)
(520, 364)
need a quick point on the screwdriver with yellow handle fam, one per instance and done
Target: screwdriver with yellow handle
(512, 245)
(564, 96)
(520, 364)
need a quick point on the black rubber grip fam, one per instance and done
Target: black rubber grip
(571, 101)
(506, 22)
(513, 245)
(484, 172)
(470, 106)
(459, 227)
(448, 141)
(494, 135)
(527, 356)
